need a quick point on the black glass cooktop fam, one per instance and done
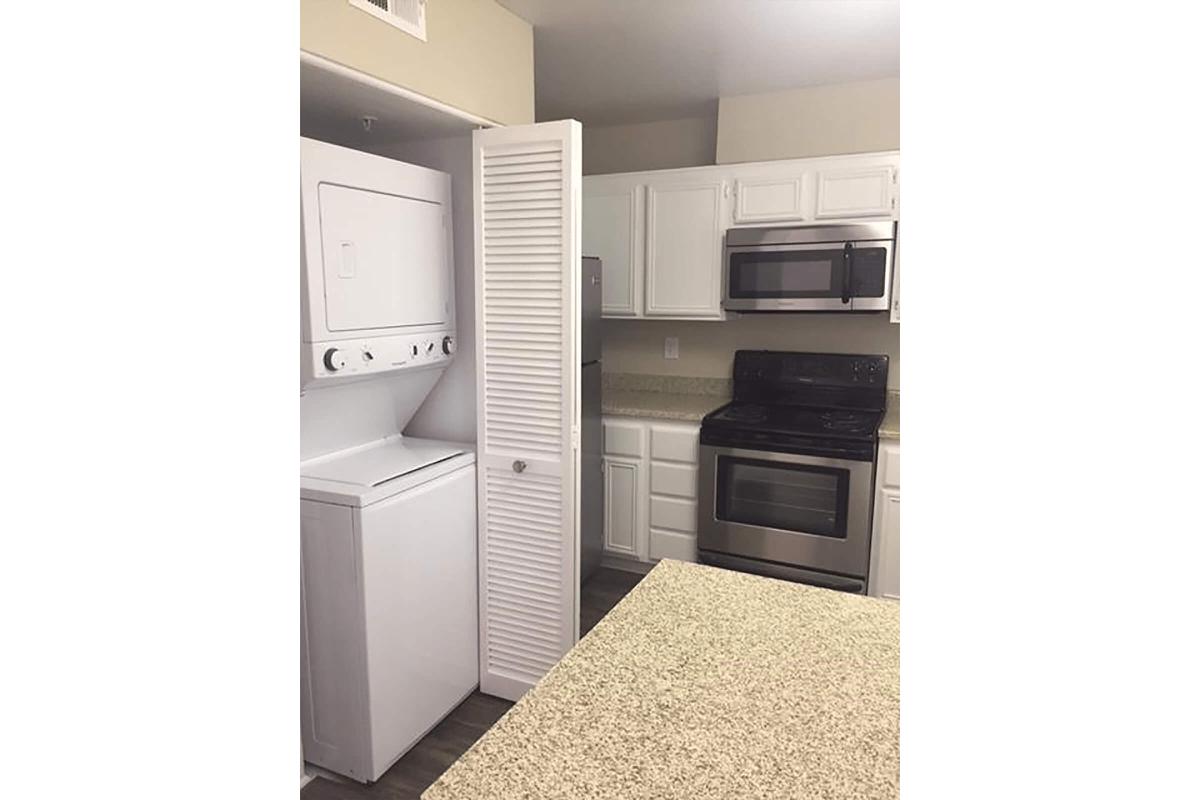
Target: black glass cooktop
(836, 423)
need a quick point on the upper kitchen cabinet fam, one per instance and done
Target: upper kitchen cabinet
(685, 221)
(659, 235)
(815, 190)
(769, 198)
(856, 191)
(614, 227)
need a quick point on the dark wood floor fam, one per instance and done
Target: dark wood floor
(442, 746)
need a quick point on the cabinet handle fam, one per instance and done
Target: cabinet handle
(518, 466)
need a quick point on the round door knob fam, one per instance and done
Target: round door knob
(448, 345)
(334, 359)
(518, 466)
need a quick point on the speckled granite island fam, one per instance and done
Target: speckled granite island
(706, 684)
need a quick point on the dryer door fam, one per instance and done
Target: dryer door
(386, 261)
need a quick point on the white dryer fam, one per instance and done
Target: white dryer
(389, 621)
(377, 276)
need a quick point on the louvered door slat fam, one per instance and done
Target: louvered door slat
(527, 183)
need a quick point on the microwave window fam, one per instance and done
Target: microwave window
(785, 274)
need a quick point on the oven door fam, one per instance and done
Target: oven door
(805, 511)
(847, 276)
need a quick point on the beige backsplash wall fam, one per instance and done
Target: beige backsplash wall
(706, 348)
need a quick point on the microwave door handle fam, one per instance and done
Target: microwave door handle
(847, 270)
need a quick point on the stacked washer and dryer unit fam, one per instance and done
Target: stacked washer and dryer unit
(389, 587)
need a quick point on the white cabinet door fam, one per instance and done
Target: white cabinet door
(855, 192)
(614, 228)
(888, 580)
(776, 198)
(684, 225)
(885, 539)
(527, 250)
(623, 507)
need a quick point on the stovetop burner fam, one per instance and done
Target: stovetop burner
(744, 413)
(850, 421)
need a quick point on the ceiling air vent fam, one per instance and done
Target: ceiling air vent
(407, 15)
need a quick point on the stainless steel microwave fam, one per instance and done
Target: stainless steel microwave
(816, 268)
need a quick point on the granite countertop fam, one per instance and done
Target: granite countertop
(662, 396)
(890, 427)
(705, 683)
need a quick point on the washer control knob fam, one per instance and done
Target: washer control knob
(368, 356)
(448, 345)
(334, 359)
(429, 347)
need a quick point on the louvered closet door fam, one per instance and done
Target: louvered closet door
(527, 262)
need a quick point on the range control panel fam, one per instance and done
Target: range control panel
(377, 355)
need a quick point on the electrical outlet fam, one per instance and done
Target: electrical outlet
(671, 347)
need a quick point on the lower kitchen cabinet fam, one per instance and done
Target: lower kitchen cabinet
(650, 489)
(885, 538)
(623, 507)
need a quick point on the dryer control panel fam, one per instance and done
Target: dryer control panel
(324, 362)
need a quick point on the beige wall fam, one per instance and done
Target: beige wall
(817, 121)
(667, 144)
(478, 57)
(706, 348)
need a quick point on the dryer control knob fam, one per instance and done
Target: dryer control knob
(334, 359)
(448, 345)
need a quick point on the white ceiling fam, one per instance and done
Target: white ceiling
(609, 61)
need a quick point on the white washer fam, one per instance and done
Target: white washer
(389, 610)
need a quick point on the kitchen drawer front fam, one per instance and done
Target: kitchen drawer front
(675, 443)
(672, 514)
(889, 465)
(623, 438)
(676, 480)
(671, 544)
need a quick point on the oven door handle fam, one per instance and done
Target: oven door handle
(861, 469)
(847, 270)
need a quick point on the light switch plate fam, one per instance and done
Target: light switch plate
(671, 347)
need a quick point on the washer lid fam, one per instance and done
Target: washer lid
(379, 463)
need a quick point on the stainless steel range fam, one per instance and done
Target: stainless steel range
(787, 469)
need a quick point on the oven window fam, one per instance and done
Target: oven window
(789, 497)
(786, 273)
